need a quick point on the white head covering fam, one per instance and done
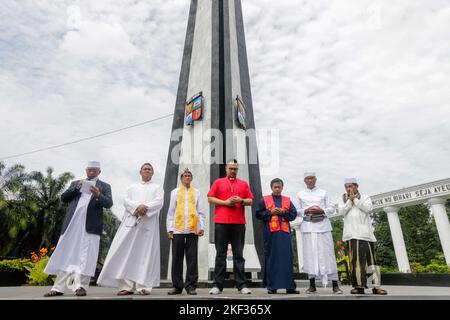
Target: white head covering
(93, 164)
(351, 180)
(309, 174)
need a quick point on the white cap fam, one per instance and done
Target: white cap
(350, 180)
(93, 164)
(309, 174)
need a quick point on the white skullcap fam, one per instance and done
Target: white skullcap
(93, 164)
(350, 180)
(309, 174)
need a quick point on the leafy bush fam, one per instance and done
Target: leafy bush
(36, 276)
(15, 265)
(437, 265)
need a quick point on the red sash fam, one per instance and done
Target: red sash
(274, 223)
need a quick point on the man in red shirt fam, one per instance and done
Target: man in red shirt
(230, 195)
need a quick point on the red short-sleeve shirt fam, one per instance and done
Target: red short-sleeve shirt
(225, 188)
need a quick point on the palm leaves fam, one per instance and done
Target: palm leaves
(31, 211)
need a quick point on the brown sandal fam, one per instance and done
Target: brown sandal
(379, 291)
(144, 292)
(124, 293)
(357, 291)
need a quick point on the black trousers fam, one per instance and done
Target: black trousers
(185, 244)
(223, 235)
(363, 263)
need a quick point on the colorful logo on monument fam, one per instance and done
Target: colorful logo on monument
(194, 109)
(241, 113)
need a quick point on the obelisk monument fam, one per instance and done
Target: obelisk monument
(213, 122)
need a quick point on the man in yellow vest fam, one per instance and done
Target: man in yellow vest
(185, 223)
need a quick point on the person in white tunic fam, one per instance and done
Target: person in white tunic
(358, 233)
(75, 257)
(318, 246)
(133, 260)
(185, 223)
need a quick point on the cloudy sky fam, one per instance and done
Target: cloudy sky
(356, 87)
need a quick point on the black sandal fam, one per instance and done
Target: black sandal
(379, 291)
(53, 293)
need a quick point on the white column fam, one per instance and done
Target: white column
(397, 239)
(437, 208)
(298, 236)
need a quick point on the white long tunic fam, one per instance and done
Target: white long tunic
(357, 220)
(77, 250)
(308, 198)
(173, 207)
(135, 253)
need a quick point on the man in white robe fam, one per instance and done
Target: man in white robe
(360, 238)
(75, 257)
(133, 260)
(318, 246)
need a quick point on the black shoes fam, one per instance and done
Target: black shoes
(191, 292)
(174, 291)
(292, 291)
(270, 291)
(311, 290)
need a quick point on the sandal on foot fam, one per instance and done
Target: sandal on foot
(53, 293)
(379, 291)
(124, 293)
(144, 292)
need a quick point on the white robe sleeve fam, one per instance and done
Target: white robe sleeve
(329, 208)
(201, 213)
(171, 212)
(301, 207)
(156, 204)
(364, 204)
(129, 204)
(344, 208)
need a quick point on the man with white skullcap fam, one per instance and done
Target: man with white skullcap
(318, 246)
(358, 233)
(75, 257)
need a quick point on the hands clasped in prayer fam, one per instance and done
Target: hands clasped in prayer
(141, 210)
(314, 210)
(232, 201)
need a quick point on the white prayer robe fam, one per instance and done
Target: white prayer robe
(170, 223)
(357, 220)
(318, 246)
(134, 254)
(308, 198)
(76, 250)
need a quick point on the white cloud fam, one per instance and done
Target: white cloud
(355, 88)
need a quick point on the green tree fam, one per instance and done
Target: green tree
(44, 191)
(14, 218)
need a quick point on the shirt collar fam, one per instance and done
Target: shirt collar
(93, 180)
(148, 182)
(231, 179)
(313, 189)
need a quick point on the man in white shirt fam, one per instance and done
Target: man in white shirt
(185, 223)
(358, 233)
(318, 246)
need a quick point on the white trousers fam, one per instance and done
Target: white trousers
(71, 281)
(129, 285)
